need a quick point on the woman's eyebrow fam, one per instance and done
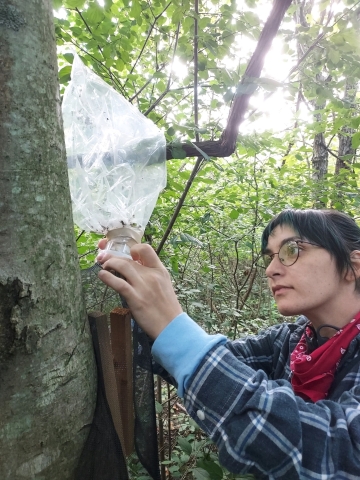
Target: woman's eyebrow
(268, 251)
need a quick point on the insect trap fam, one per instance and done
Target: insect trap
(116, 160)
(117, 168)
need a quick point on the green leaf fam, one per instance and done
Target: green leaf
(205, 155)
(69, 57)
(209, 181)
(57, 4)
(94, 14)
(175, 186)
(269, 84)
(251, 19)
(197, 304)
(185, 445)
(174, 264)
(201, 474)
(65, 71)
(187, 24)
(135, 11)
(334, 55)
(177, 15)
(355, 122)
(178, 152)
(74, 3)
(234, 214)
(247, 87)
(355, 141)
(115, 8)
(65, 79)
(292, 9)
(185, 237)
(120, 65)
(213, 469)
(217, 166)
(174, 468)
(158, 407)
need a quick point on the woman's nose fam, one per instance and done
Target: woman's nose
(274, 267)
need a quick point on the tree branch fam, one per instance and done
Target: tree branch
(227, 143)
(167, 89)
(194, 172)
(147, 38)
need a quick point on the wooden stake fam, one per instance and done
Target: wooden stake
(108, 371)
(120, 324)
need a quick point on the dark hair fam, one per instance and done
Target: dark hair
(333, 230)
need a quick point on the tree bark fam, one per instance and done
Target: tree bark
(346, 152)
(320, 157)
(47, 372)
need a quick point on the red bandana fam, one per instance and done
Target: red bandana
(312, 374)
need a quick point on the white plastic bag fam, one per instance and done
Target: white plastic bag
(116, 156)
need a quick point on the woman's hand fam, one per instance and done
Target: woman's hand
(147, 287)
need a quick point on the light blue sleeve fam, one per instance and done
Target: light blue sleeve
(181, 346)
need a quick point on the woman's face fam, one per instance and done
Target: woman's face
(310, 286)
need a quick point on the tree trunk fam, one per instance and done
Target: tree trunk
(47, 373)
(320, 157)
(346, 152)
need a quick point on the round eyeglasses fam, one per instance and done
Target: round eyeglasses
(288, 253)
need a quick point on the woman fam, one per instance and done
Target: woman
(284, 404)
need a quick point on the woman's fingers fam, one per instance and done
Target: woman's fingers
(124, 266)
(142, 253)
(102, 243)
(118, 284)
(146, 286)
(146, 255)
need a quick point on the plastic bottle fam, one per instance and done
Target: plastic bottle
(116, 160)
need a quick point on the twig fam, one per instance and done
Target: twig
(161, 430)
(196, 46)
(131, 99)
(80, 235)
(235, 272)
(180, 407)
(83, 19)
(169, 423)
(200, 160)
(194, 172)
(113, 79)
(147, 39)
(167, 89)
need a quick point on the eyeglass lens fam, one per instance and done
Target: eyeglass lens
(288, 254)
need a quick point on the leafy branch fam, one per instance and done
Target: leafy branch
(226, 145)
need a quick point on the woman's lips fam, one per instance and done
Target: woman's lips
(279, 289)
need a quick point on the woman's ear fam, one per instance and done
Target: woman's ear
(355, 262)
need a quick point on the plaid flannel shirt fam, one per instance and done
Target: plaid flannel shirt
(241, 396)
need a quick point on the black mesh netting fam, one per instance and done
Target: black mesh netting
(144, 403)
(102, 457)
